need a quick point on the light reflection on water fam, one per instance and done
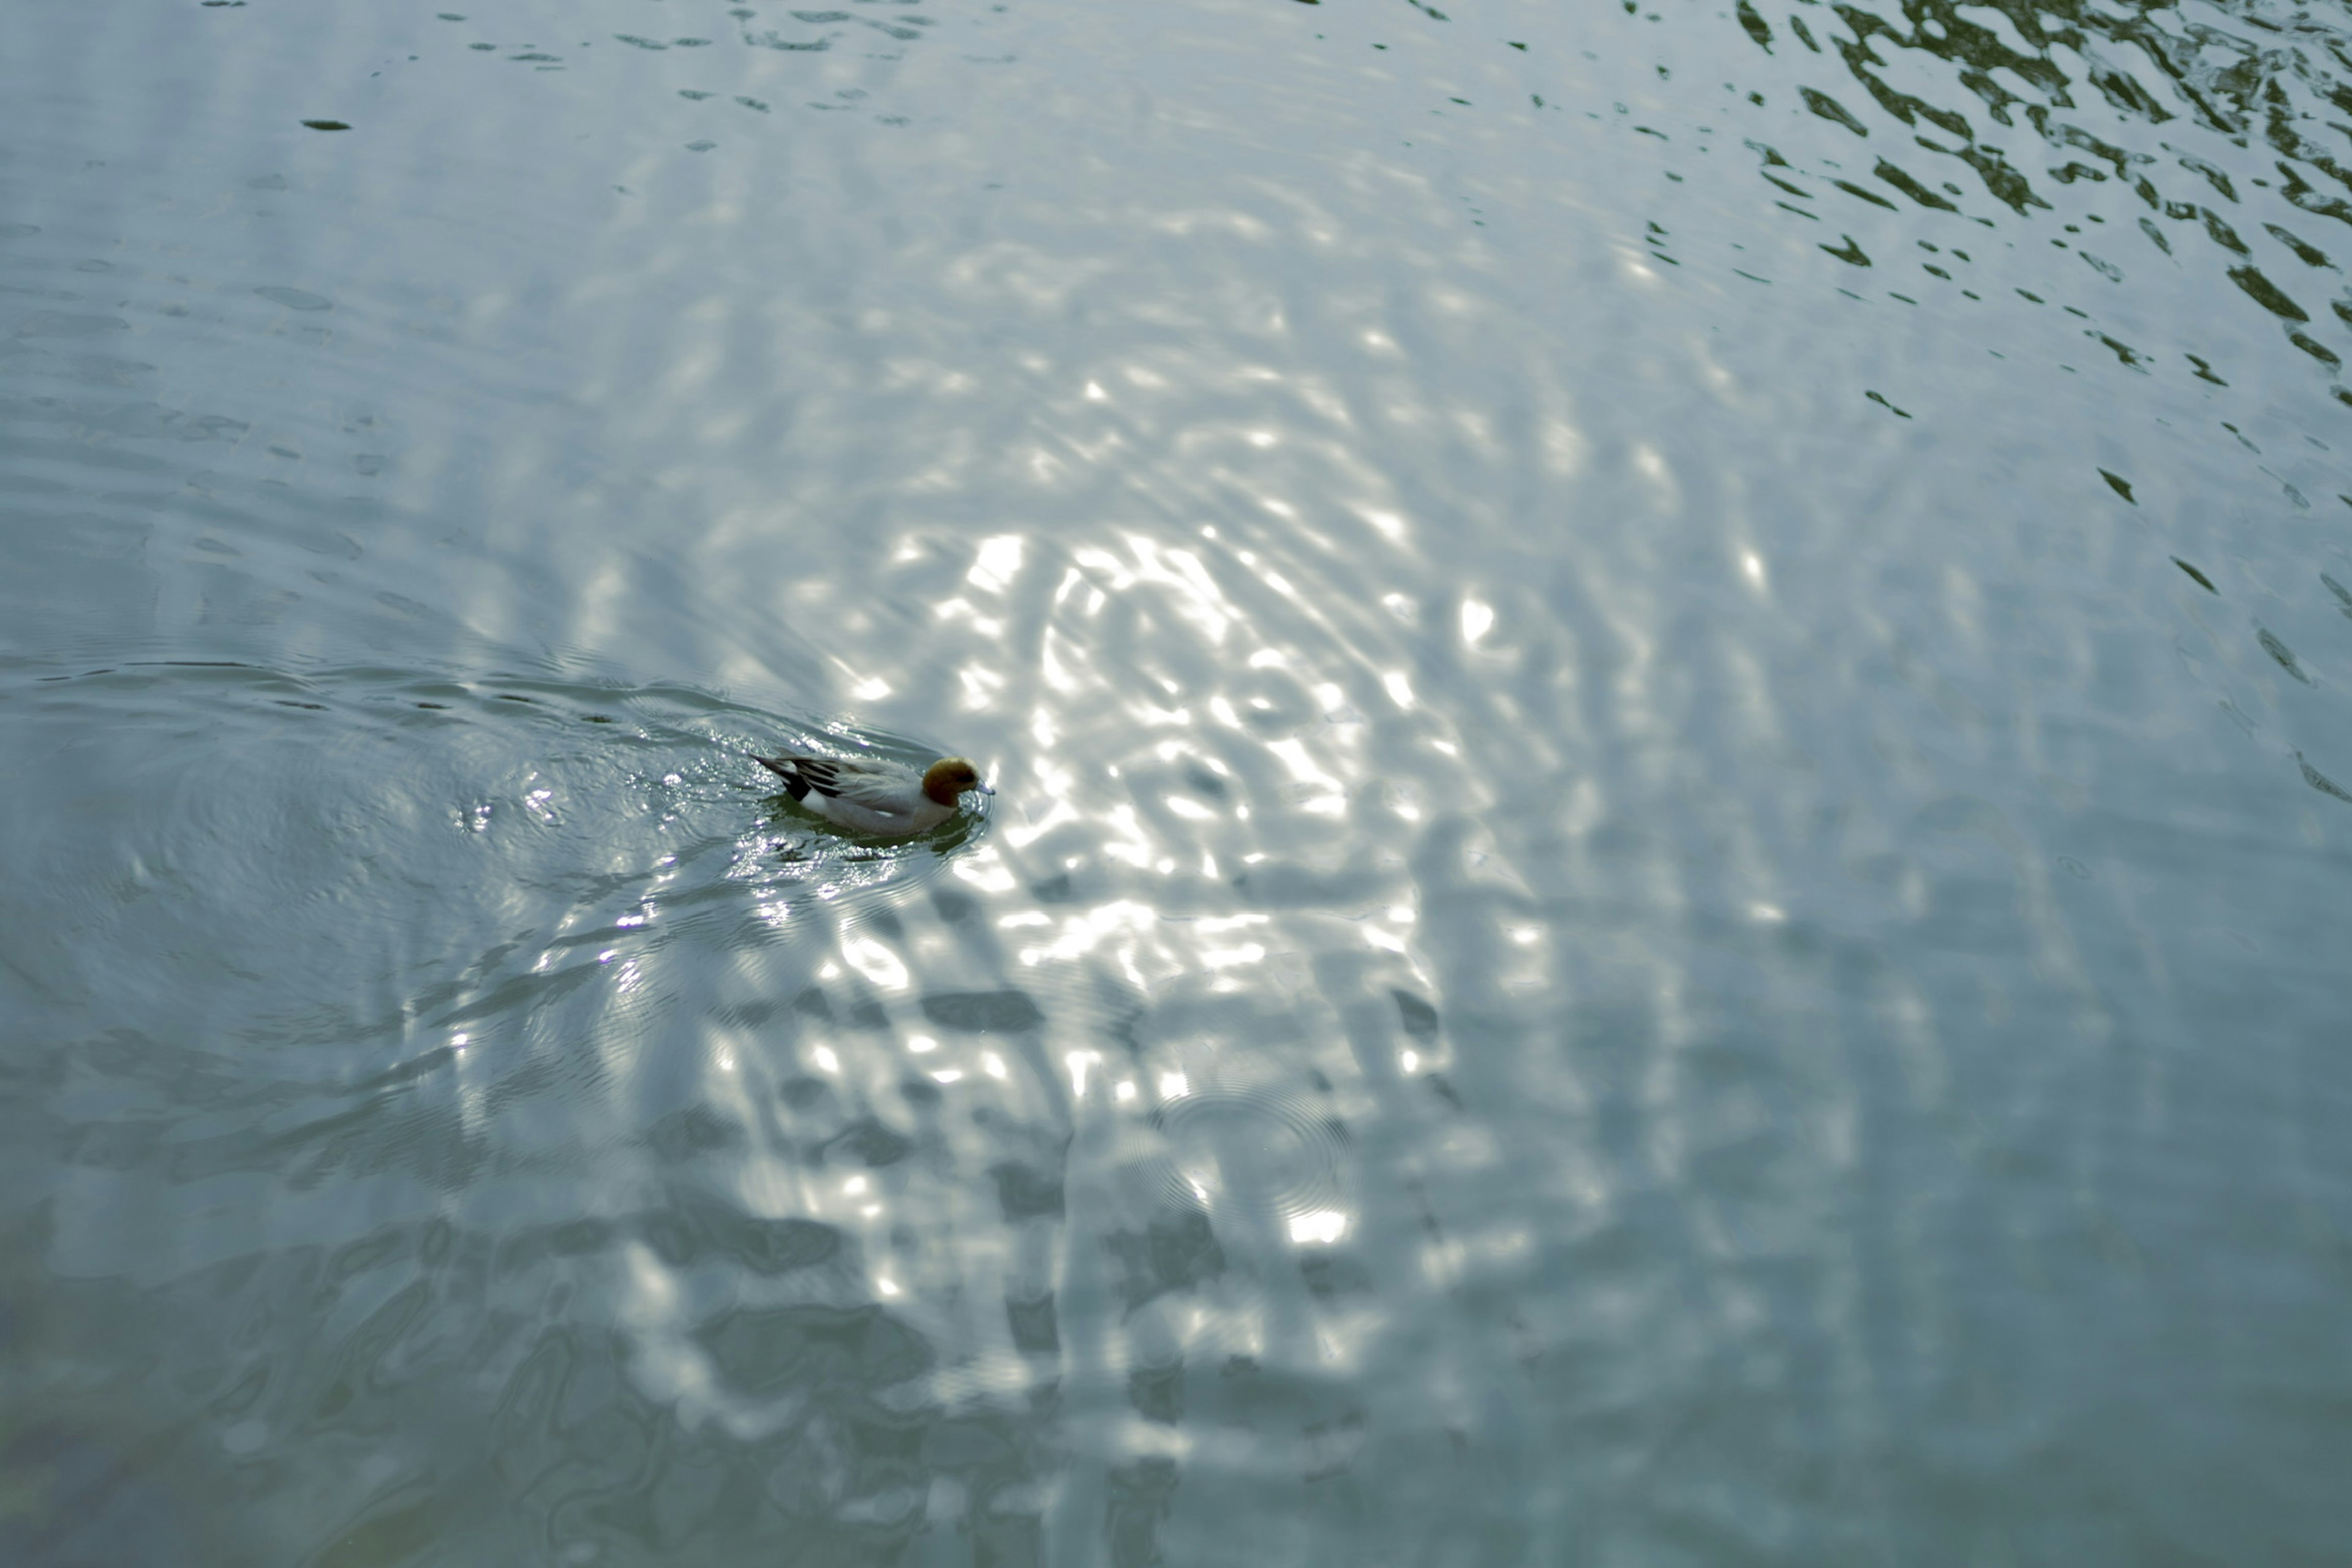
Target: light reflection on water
(1666, 695)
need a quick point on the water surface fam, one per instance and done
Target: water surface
(1667, 693)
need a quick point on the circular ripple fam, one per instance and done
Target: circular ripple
(1269, 1149)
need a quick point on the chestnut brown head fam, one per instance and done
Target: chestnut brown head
(949, 777)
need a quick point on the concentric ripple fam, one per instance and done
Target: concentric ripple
(1265, 1148)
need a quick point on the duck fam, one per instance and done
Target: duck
(876, 796)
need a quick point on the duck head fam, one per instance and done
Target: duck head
(949, 777)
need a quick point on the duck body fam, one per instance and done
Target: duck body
(875, 795)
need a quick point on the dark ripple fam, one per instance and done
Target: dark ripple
(2170, 112)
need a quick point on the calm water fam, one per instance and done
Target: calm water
(1669, 691)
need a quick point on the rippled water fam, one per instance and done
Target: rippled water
(1668, 695)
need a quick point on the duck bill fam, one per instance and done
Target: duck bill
(983, 789)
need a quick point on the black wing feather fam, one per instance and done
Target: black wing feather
(802, 774)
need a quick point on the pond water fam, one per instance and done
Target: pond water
(1668, 685)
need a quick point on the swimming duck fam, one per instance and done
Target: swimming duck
(875, 795)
